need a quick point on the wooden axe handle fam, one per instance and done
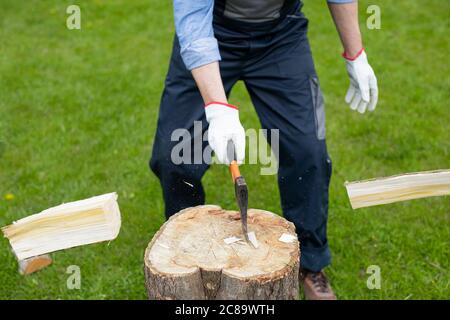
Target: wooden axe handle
(234, 169)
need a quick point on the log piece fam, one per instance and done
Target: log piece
(398, 188)
(65, 226)
(188, 258)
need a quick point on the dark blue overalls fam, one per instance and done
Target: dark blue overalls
(274, 61)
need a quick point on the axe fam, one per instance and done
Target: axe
(240, 187)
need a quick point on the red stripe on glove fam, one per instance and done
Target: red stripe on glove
(354, 57)
(223, 104)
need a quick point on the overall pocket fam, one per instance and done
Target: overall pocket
(319, 107)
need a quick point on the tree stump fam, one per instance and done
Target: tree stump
(188, 258)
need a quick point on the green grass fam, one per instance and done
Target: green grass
(78, 112)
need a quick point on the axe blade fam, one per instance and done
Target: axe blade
(240, 188)
(241, 191)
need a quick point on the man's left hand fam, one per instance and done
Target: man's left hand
(363, 91)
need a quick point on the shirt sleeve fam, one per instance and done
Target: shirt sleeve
(193, 24)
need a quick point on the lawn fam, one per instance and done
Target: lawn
(78, 112)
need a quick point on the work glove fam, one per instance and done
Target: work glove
(224, 125)
(363, 91)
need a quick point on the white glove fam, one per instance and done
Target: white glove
(363, 91)
(224, 125)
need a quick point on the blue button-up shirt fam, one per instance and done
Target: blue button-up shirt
(193, 24)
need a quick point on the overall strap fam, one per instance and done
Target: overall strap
(287, 7)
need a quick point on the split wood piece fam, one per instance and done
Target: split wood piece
(65, 226)
(188, 258)
(34, 264)
(398, 188)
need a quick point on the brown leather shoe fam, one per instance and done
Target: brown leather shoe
(316, 285)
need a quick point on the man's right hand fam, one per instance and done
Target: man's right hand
(224, 125)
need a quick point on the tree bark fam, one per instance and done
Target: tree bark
(188, 258)
(33, 264)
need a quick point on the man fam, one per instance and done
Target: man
(264, 44)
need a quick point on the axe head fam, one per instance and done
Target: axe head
(240, 187)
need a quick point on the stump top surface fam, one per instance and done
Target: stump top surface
(194, 238)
